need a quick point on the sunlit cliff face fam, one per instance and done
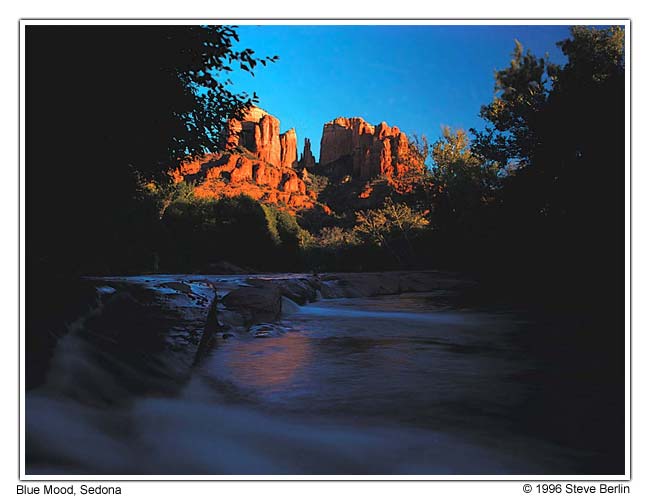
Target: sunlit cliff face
(231, 174)
(374, 150)
(262, 163)
(258, 161)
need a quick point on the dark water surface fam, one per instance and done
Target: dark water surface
(403, 384)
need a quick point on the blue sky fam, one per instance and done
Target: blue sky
(416, 77)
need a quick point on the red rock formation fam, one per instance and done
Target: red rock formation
(261, 162)
(258, 162)
(268, 148)
(288, 149)
(292, 184)
(307, 159)
(367, 191)
(259, 132)
(371, 150)
(231, 174)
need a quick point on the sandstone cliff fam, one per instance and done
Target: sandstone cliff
(259, 133)
(289, 149)
(258, 161)
(367, 151)
(231, 174)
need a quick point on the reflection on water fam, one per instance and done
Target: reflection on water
(384, 359)
(267, 363)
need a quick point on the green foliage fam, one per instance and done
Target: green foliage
(418, 149)
(336, 248)
(240, 230)
(594, 55)
(524, 113)
(317, 183)
(337, 238)
(290, 238)
(391, 227)
(461, 181)
(521, 92)
(163, 193)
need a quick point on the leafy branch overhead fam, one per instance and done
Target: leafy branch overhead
(210, 56)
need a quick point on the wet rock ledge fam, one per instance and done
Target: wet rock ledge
(260, 299)
(184, 316)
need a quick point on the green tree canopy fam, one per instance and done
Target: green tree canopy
(521, 92)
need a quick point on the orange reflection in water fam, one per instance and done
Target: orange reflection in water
(268, 363)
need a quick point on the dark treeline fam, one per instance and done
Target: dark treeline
(538, 192)
(533, 203)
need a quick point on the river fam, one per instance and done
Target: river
(415, 383)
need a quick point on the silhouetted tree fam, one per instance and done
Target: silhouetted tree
(521, 92)
(106, 107)
(559, 131)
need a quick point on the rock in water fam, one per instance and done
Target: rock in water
(265, 330)
(255, 303)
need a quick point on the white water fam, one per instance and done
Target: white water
(196, 434)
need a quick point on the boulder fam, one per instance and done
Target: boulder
(262, 303)
(360, 285)
(299, 290)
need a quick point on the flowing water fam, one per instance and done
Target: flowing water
(401, 384)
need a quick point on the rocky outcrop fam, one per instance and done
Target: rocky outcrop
(259, 133)
(256, 303)
(232, 174)
(258, 161)
(307, 159)
(179, 309)
(367, 151)
(289, 149)
(260, 300)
